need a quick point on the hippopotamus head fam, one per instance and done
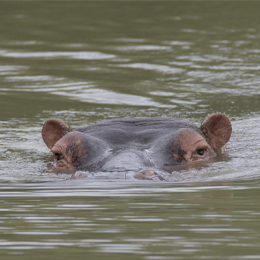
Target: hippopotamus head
(138, 144)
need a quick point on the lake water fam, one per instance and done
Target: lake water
(83, 62)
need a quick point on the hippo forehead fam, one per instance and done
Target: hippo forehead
(135, 131)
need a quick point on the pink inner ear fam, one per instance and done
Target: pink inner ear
(217, 129)
(53, 130)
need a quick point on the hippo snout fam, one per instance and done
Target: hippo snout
(127, 160)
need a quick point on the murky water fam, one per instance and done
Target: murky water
(83, 62)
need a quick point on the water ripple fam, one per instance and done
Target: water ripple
(153, 67)
(143, 48)
(81, 55)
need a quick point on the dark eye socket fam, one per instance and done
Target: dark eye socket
(201, 152)
(58, 156)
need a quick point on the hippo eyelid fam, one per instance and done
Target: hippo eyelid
(58, 156)
(201, 151)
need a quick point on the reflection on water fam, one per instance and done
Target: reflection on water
(148, 221)
(54, 55)
(84, 62)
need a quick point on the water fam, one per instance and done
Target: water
(83, 62)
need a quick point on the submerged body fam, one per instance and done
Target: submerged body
(138, 144)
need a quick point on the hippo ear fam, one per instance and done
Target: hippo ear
(217, 130)
(53, 130)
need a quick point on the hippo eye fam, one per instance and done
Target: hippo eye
(58, 156)
(201, 152)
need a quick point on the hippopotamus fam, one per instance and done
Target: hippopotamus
(141, 145)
